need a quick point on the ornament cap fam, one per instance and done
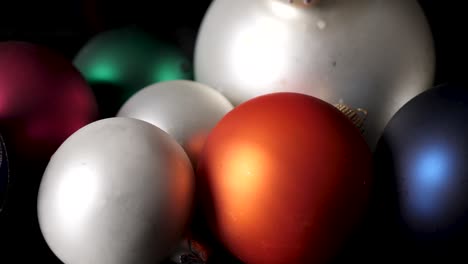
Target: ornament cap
(304, 3)
(357, 115)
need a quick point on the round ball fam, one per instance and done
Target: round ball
(368, 54)
(43, 99)
(422, 170)
(4, 173)
(186, 110)
(119, 62)
(119, 190)
(284, 178)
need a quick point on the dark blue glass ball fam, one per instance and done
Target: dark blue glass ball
(421, 164)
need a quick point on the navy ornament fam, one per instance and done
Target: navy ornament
(421, 164)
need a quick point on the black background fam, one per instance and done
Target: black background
(66, 25)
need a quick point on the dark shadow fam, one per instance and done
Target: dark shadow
(109, 98)
(204, 222)
(20, 235)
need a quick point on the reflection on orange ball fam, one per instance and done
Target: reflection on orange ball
(284, 178)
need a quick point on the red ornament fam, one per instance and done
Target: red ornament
(284, 178)
(43, 99)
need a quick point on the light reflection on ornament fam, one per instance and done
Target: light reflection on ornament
(258, 60)
(432, 167)
(431, 177)
(76, 194)
(283, 10)
(103, 72)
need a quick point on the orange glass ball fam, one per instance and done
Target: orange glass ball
(284, 178)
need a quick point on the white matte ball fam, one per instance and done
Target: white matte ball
(118, 191)
(369, 54)
(186, 110)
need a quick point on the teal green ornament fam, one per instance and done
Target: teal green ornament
(120, 62)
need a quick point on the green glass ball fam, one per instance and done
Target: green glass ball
(120, 62)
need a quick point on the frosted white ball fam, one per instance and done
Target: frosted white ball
(186, 110)
(118, 191)
(369, 54)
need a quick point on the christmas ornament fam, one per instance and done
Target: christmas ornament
(43, 99)
(186, 110)
(120, 62)
(117, 191)
(4, 173)
(284, 178)
(422, 171)
(374, 55)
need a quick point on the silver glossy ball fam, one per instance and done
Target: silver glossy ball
(186, 110)
(118, 191)
(368, 54)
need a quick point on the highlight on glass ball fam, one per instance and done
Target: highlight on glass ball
(119, 190)
(370, 54)
(284, 178)
(37, 88)
(186, 110)
(422, 172)
(119, 62)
